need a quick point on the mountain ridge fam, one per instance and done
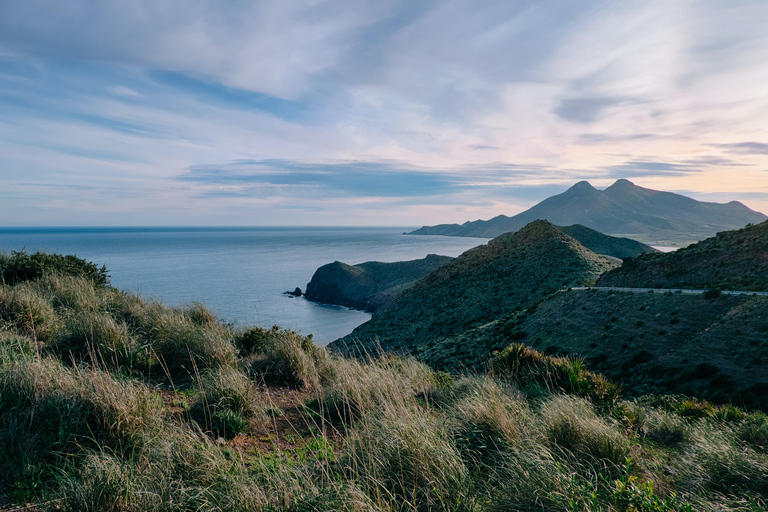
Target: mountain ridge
(623, 209)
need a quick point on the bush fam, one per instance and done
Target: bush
(226, 399)
(286, 358)
(20, 266)
(572, 424)
(526, 366)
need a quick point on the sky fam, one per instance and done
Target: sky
(380, 112)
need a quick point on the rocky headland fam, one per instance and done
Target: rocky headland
(370, 285)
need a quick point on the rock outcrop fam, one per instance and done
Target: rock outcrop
(370, 285)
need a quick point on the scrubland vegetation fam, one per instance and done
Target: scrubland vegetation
(110, 402)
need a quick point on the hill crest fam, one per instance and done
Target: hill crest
(511, 273)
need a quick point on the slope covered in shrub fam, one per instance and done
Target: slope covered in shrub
(129, 405)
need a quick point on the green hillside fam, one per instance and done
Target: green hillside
(731, 260)
(109, 402)
(509, 274)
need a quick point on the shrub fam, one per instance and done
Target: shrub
(20, 266)
(226, 399)
(525, 366)
(285, 357)
(28, 312)
(572, 424)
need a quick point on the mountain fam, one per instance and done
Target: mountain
(732, 260)
(369, 285)
(511, 273)
(623, 209)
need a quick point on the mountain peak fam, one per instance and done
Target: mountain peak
(582, 186)
(622, 184)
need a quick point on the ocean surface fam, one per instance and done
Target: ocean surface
(239, 273)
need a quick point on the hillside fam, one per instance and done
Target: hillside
(111, 402)
(369, 285)
(607, 245)
(623, 209)
(732, 260)
(510, 273)
(655, 343)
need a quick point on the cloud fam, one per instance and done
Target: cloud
(648, 168)
(744, 148)
(584, 110)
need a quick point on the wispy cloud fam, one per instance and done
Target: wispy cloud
(744, 148)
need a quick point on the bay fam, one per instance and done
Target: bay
(239, 273)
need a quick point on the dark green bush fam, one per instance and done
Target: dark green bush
(525, 365)
(20, 266)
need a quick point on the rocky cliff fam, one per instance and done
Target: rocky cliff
(369, 285)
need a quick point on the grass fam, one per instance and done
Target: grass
(112, 403)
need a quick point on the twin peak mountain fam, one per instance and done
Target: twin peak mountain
(623, 209)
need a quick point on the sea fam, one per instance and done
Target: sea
(240, 274)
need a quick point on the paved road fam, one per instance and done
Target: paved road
(663, 290)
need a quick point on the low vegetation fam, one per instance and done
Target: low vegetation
(732, 260)
(109, 402)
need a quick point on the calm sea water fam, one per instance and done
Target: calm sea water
(239, 273)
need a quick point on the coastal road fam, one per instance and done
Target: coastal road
(663, 290)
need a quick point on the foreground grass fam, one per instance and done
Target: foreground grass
(109, 402)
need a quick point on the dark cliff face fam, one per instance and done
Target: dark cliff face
(733, 260)
(368, 286)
